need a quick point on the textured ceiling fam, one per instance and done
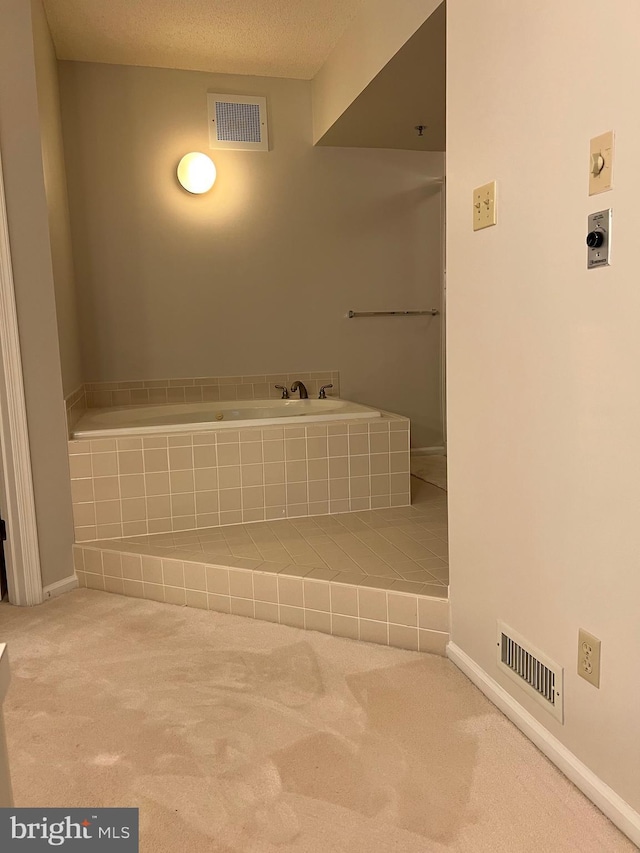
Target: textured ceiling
(410, 90)
(270, 38)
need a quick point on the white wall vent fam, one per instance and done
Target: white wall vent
(539, 676)
(238, 122)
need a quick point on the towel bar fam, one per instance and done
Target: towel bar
(432, 312)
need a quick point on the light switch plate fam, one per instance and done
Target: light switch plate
(589, 657)
(601, 163)
(484, 206)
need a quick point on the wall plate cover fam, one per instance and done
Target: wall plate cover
(484, 206)
(589, 657)
(599, 239)
(601, 163)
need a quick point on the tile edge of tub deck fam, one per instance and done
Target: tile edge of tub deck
(408, 620)
(103, 423)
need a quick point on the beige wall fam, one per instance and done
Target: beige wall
(544, 413)
(410, 90)
(257, 276)
(370, 41)
(35, 297)
(57, 203)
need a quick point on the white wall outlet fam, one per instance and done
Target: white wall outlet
(589, 657)
(484, 206)
(601, 163)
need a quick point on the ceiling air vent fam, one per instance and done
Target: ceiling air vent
(238, 122)
(539, 676)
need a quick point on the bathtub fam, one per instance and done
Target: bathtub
(196, 417)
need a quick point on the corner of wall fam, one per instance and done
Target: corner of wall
(55, 182)
(371, 40)
(20, 136)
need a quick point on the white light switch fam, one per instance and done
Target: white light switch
(484, 206)
(601, 163)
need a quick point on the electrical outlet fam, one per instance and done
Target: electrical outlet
(589, 657)
(484, 206)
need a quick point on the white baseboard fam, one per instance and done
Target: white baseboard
(60, 587)
(605, 798)
(428, 451)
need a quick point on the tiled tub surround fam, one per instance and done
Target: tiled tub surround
(203, 388)
(379, 576)
(76, 406)
(157, 484)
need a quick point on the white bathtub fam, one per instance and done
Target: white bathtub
(196, 417)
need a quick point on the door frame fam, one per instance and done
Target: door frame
(22, 553)
(443, 308)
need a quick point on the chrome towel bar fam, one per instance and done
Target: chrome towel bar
(432, 312)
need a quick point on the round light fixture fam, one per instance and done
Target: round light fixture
(196, 172)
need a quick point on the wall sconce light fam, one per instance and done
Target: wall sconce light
(196, 173)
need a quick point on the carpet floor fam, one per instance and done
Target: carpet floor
(236, 735)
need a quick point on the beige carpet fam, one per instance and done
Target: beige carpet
(431, 468)
(234, 735)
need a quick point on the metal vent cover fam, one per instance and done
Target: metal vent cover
(238, 122)
(537, 674)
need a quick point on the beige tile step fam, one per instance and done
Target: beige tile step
(377, 609)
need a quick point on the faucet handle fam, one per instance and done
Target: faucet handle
(322, 395)
(285, 392)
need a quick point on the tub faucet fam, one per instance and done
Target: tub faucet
(299, 386)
